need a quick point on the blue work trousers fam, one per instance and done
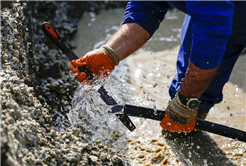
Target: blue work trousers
(213, 94)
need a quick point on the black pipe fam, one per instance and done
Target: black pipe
(201, 124)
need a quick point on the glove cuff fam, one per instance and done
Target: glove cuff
(184, 114)
(112, 54)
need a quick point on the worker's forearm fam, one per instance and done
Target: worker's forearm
(196, 81)
(128, 38)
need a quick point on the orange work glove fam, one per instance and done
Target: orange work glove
(178, 117)
(100, 62)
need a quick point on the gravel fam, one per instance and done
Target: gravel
(37, 89)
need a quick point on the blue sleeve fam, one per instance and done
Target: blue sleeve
(148, 14)
(211, 29)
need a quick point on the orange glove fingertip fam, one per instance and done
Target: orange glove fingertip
(73, 69)
(79, 62)
(73, 62)
(81, 76)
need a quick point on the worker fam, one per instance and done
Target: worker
(213, 36)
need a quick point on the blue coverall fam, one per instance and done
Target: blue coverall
(213, 35)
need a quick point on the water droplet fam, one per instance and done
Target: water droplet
(189, 154)
(168, 76)
(228, 107)
(155, 110)
(155, 85)
(231, 114)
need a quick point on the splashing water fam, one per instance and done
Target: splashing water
(90, 111)
(85, 98)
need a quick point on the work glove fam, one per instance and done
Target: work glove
(178, 117)
(100, 62)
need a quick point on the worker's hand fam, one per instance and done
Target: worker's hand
(100, 62)
(178, 117)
